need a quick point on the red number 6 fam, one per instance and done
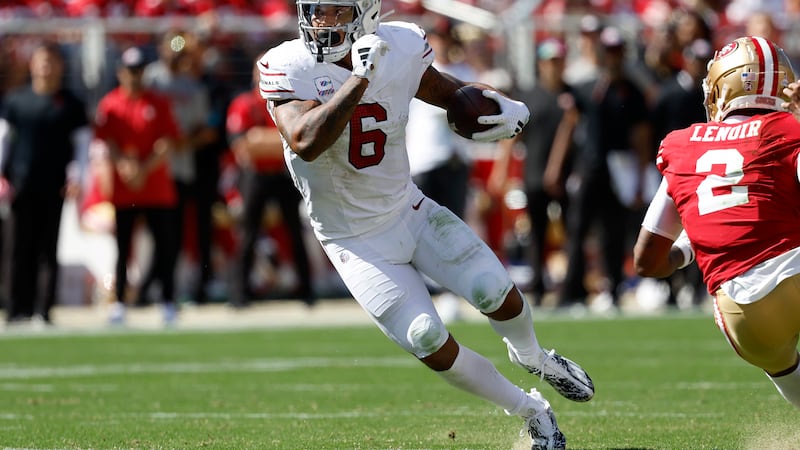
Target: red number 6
(367, 148)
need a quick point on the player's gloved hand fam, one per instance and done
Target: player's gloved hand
(367, 51)
(683, 244)
(793, 105)
(513, 116)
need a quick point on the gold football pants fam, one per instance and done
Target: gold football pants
(764, 333)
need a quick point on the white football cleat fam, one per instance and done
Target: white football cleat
(566, 377)
(541, 425)
(117, 314)
(170, 311)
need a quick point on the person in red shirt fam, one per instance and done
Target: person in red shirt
(258, 150)
(139, 129)
(730, 196)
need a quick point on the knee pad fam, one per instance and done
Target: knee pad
(426, 335)
(488, 290)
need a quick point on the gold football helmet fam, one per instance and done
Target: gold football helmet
(748, 73)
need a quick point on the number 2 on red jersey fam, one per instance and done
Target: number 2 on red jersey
(709, 202)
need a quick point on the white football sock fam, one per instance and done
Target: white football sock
(520, 333)
(477, 375)
(789, 386)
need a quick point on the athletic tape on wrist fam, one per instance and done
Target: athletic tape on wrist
(688, 253)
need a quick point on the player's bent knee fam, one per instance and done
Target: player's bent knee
(770, 360)
(426, 335)
(489, 291)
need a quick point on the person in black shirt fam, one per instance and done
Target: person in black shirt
(548, 149)
(680, 102)
(680, 105)
(611, 166)
(46, 124)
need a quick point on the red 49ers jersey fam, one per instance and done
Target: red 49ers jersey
(736, 188)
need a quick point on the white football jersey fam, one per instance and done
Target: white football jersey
(362, 181)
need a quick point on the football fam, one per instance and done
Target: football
(465, 107)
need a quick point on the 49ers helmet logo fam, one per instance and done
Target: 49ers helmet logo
(727, 50)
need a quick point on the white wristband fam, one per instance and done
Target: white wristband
(686, 249)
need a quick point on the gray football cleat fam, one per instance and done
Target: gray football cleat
(566, 377)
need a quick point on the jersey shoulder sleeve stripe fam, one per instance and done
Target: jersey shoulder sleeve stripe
(276, 68)
(272, 82)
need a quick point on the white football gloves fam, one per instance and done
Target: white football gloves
(513, 116)
(366, 52)
(683, 244)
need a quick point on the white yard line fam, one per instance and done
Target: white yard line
(16, 372)
(458, 412)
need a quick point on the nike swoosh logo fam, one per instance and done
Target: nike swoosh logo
(416, 207)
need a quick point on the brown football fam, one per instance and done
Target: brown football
(465, 107)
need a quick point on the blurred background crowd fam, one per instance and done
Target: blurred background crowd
(561, 204)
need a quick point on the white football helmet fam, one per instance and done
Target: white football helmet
(748, 73)
(332, 43)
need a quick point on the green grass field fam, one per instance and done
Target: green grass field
(666, 382)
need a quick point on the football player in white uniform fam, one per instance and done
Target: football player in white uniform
(340, 97)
